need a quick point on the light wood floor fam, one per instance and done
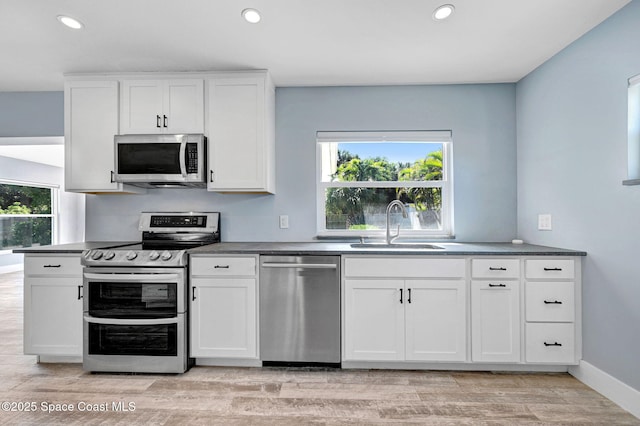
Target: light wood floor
(281, 396)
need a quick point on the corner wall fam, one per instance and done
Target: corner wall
(572, 159)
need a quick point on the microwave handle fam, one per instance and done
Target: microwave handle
(183, 158)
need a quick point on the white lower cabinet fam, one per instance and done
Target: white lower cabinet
(551, 304)
(404, 319)
(53, 305)
(223, 307)
(495, 321)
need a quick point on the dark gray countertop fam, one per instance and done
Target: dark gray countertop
(337, 248)
(73, 247)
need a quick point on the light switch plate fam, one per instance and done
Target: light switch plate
(284, 221)
(544, 222)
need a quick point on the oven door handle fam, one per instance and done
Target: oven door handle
(120, 321)
(132, 277)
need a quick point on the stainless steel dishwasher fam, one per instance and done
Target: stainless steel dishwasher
(300, 309)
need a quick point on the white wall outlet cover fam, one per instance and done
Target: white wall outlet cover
(544, 222)
(284, 221)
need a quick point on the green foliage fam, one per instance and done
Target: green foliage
(16, 208)
(24, 200)
(426, 169)
(345, 206)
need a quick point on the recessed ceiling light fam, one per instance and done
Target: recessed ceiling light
(443, 12)
(251, 15)
(70, 22)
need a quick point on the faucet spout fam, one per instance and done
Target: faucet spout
(391, 238)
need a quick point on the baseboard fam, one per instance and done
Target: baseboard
(11, 268)
(620, 393)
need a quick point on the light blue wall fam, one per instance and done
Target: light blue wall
(31, 114)
(482, 118)
(572, 147)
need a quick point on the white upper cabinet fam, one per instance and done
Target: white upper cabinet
(90, 122)
(162, 106)
(240, 129)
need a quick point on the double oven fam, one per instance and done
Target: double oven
(135, 297)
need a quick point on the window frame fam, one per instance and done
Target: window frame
(54, 215)
(443, 137)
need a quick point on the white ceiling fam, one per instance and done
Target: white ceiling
(301, 42)
(45, 150)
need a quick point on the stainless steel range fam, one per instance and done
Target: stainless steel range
(135, 304)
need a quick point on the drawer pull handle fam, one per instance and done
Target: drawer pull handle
(52, 266)
(409, 298)
(193, 293)
(552, 344)
(221, 267)
(79, 292)
(491, 268)
(400, 295)
(552, 302)
(497, 285)
(553, 269)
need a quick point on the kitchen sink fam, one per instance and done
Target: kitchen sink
(412, 246)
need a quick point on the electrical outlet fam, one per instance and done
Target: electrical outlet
(284, 221)
(544, 222)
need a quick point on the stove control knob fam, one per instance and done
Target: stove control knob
(96, 255)
(109, 255)
(166, 255)
(154, 255)
(131, 255)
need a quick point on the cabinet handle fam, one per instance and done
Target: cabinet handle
(52, 266)
(79, 292)
(554, 302)
(193, 293)
(497, 285)
(553, 269)
(112, 181)
(221, 267)
(491, 268)
(409, 296)
(552, 344)
(164, 121)
(211, 175)
(401, 296)
(158, 121)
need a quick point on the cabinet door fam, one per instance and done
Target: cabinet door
(223, 318)
(435, 320)
(237, 134)
(495, 321)
(183, 106)
(141, 107)
(53, 316)
(374, 320)
(91, 121)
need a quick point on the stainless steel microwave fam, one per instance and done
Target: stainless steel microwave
(162, 160)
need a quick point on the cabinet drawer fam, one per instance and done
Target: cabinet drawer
(223, 266)
(495, 268)
(52, 265)
(549, 268)
(549, 301)
(550, 343)
(404, 268)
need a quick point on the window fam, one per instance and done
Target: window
(633, 127)
(360, 173)
(27, 215)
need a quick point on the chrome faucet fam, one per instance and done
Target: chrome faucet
(391, 238)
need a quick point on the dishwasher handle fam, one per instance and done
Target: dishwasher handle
(301, 265)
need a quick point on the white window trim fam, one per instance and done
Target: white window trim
(446, 183)
(55, 204)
